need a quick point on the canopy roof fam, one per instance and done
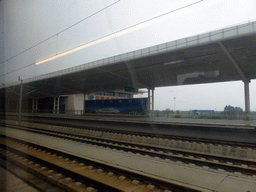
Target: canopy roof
(218, 56)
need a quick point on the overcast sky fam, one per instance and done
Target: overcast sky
(29, 22)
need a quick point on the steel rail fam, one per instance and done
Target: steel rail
(230, 164)
(40, 154)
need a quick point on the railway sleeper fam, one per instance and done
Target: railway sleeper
(239, 152)
(59, 178)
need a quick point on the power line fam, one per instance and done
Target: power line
(17, 69)
(143, 22)
(61, 31)
(106, 37)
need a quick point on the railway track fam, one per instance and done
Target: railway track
(231, 149)
(71, 123)
(73, 173)
(240, 167)
(217, 162)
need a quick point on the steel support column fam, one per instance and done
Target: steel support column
(247, 97)
(243, 77)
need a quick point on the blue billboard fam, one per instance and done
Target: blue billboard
(123, 106)
(203, 111)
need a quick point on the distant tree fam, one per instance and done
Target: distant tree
(231, 109)
(167, 110)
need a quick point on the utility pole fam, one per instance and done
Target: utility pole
(174, 105)
(20, 106)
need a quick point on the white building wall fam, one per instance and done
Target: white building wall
(78, 102)
(68, 102)
(75, 103)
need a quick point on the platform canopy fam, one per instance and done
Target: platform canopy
(224, 55)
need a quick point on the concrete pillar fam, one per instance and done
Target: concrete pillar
(83, 105)
(17, 106)
(243, 77)
(56, 105)
(148, 104)
(153, 100)
(247, 97)
(34, 105)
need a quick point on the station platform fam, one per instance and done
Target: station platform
(155, 120)
(11, 183)
(213, 129)
(180, 121)
(189, 175)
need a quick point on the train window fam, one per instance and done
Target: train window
(147, 91)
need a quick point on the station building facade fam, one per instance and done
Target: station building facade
(75, 103)
(69, 104)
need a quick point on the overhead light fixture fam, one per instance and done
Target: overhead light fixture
(174, 62)
(112, 35)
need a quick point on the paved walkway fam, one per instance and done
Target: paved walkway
(10, 183)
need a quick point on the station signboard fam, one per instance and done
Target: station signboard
(136, 106)
(131, 89)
